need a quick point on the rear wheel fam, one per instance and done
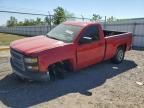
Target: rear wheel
(119, 57)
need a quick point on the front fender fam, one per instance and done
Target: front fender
(52, 56)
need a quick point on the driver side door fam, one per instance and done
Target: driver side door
(90, 52)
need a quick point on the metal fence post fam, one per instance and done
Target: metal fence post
(133, 31)
(105, 21)
(82, 17)
(134, 28)
(50, 20)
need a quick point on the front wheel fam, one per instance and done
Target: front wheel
(119, 57)
(56, 71)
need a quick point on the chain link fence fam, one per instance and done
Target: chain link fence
(37, 29)
(136, 26)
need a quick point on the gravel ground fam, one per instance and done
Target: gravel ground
(104, 85)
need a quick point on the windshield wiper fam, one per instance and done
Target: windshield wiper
(52, 37)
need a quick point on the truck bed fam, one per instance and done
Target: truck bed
(110, 33)
(112, 41)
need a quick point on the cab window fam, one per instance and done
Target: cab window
(91, 32)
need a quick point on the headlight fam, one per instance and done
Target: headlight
(31, 64)
(33, 68)
(31, 60)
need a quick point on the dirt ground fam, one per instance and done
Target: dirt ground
(104, 85)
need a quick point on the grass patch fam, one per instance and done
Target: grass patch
(6, 39)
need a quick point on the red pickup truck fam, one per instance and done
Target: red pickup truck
(69, 46)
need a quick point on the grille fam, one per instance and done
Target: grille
(17, 60)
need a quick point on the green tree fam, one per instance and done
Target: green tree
(29, 22)
(111, 19)
(47, 20)
(20, 23)
(96, 17)
(59, 15)
(38, 21)
(26, 22)
(12, 22)
(69, 15)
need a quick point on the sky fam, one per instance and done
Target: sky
(117, 8)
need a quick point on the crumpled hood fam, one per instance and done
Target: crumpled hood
(35, 44)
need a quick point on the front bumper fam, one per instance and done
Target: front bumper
(38, 76)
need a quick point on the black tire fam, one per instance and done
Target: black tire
(51, 73)
(119, 56)
(56, 71)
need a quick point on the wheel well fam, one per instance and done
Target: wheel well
(123, 46)
(65, 63)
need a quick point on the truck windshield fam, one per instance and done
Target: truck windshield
(64, 32)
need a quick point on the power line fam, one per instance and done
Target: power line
(21, 9)
(16, 12)
(23, 13)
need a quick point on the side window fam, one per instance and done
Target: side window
(91, 32)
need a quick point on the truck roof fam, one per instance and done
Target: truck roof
(77, 23)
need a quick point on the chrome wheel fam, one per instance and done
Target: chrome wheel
(120, 55)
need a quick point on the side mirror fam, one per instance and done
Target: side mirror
(84, 40)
